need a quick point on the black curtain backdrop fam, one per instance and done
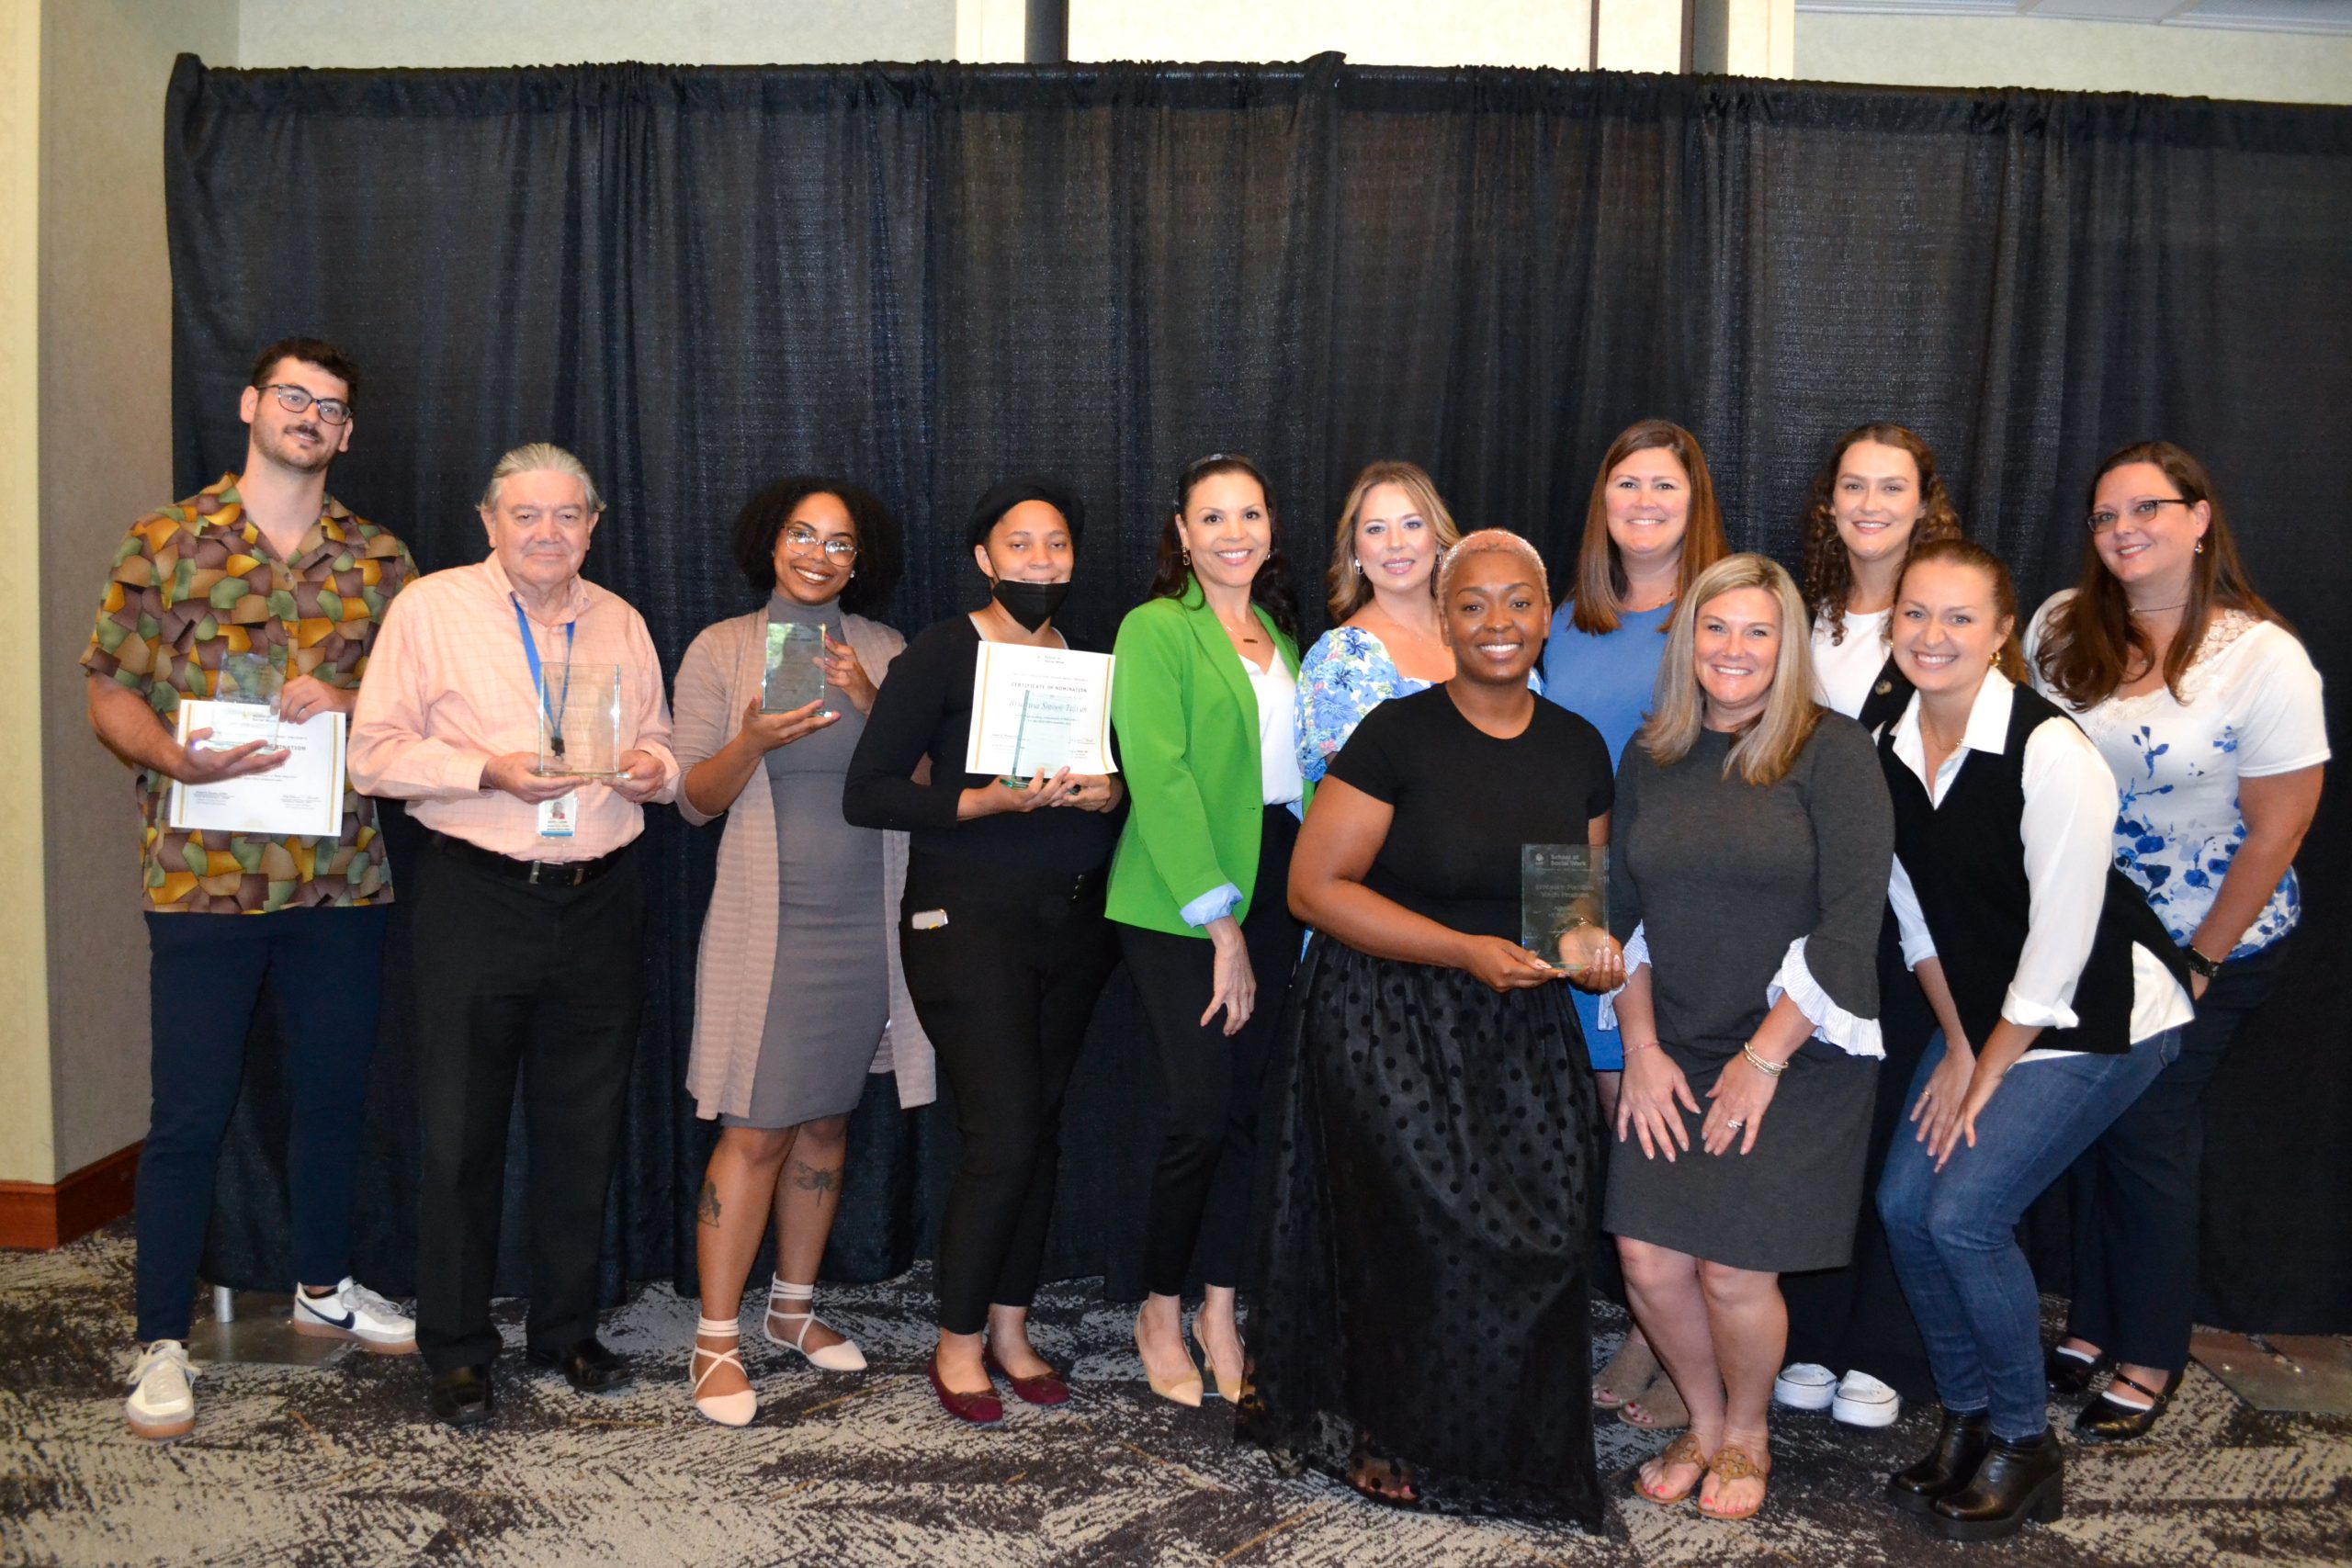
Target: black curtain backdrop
(927, 278)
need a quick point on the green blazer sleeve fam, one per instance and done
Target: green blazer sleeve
(1187, 723)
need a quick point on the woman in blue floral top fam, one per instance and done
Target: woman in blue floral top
(1384, 640)
(2208, 709)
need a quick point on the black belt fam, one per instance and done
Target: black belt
(540, 872)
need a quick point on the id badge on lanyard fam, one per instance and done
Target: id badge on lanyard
(558, 818)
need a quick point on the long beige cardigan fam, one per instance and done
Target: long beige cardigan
(723, 671)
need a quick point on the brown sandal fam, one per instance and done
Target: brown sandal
(1684, 1449)
(1659, 1407)
(1732, 1465)
(1628, 1372)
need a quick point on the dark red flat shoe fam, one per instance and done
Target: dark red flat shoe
(1046, 1388)
(979, 1409)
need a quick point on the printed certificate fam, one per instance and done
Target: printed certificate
(1039, 710)
(301, 796)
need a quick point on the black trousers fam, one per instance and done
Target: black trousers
(1857, 1317)
(2134, 1193)
(325, 971)
(1202, 1186)
(547, 980)
(1004, 989)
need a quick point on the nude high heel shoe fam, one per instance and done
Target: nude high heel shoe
(1229, 1392)
(1183, 1390)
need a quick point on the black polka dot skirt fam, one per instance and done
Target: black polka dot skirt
(1425, 1237)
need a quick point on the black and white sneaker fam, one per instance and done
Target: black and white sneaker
(352, 1310)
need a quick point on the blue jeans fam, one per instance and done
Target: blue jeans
(1953, 1233)
(325, 969)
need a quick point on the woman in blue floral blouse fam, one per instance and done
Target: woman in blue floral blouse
(2208, 710)
(1384, 640)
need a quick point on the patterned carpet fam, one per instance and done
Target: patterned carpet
(339, 1464)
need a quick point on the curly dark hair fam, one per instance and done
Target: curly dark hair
(1828, 575)
(1273, 590)
(881, 549)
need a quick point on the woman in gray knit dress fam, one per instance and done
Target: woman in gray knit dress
(1754, 843)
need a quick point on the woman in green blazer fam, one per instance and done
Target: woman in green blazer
(1203, 703)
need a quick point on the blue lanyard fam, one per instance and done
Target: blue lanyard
(555, 711)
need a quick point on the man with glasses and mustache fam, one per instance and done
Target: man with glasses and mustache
(262, 563)
(529, 905)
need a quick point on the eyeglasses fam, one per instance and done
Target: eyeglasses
(294, 399)
(2106, 517)
(836, 547)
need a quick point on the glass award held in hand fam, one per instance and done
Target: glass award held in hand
(580, 720)
(250, 679)
(795, 675)
(1562, 902)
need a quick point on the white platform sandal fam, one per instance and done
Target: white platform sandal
(792, 1304)
(726, 1409)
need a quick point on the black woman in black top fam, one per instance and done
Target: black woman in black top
(1419, 1325)
(1002, 937)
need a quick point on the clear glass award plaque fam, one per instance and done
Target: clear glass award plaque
(251, 680)
(580, 720)
(794, 679)
(1562, 888)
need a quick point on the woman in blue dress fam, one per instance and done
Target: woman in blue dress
(1650, 528)
(1384, 641)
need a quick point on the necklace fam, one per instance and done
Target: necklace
(1936, 743)
(2158, 609)
(1236, 633)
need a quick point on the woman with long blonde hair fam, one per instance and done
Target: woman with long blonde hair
(1384, 639)
(1753, 841)
(1650, 526)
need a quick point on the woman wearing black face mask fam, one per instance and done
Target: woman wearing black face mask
(1002, 934)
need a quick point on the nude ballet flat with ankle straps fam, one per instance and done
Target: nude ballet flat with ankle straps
(726, 1409)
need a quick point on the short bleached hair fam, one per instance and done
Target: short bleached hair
(1490, 542)
(540, 457)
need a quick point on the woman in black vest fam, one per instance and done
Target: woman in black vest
(2059, 999)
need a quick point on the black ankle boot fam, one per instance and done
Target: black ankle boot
(2017, 1482)
(1949, 1465)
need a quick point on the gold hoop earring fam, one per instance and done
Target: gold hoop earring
(1187, 553)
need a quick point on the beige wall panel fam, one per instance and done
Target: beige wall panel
(561, 32)
(1369, 32)
(106, 339)
(2100, 57)
(28, 1145)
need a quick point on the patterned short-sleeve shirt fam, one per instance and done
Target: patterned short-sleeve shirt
(196, 581)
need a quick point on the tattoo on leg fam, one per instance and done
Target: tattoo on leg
(706, 1206)
(809, 1179)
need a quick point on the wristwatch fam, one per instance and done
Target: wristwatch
(2204, 968)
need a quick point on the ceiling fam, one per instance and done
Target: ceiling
(2245, 15)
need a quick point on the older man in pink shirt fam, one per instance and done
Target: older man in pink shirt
(527, 905)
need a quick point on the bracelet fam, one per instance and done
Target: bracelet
(1770, 1069)
(1634, 1046)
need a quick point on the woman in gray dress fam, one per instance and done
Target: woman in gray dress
(1754, 843)
(786, 1028)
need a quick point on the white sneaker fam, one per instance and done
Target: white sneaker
(1863, 1400)
(354, 1312)
(163, 1392)
(1802, 1385)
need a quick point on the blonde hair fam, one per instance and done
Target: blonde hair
(1345, 588)
(540, 457)
(1767, 746)
(1489, 542)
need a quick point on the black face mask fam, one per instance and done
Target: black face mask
(1031, 603)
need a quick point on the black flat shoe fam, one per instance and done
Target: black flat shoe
(461, 1397)
(2017, 1482)
(2069, 1375)
(2108, 1420)
(586, 1365)
(1948, 1466)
